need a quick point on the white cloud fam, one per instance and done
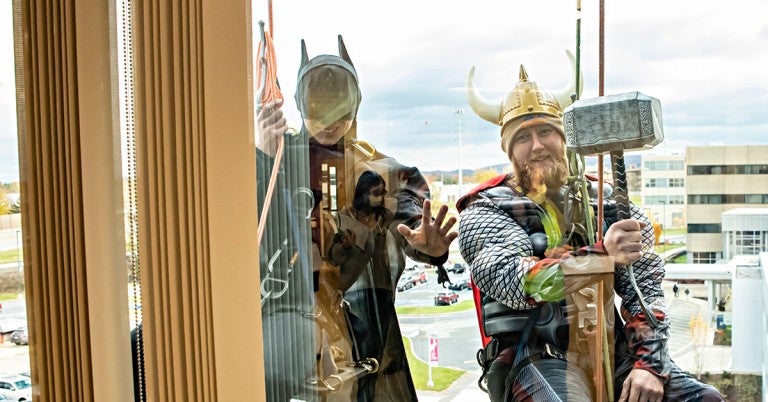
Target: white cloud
(9, 165)
(701, 59)
(705, 61)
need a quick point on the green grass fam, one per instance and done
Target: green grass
(682, 259)
(666, 247)
(442, 377)
(676, 232)
(460, 306)
(7, 256)
(8, 296)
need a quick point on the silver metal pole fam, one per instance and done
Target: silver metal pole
(459, 112)
(18, 250)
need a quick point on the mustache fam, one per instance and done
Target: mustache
(553, 176)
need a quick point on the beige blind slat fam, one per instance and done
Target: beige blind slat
(196, 200)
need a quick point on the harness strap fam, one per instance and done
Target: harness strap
(486, 356)
(521, 346)
(549, 352)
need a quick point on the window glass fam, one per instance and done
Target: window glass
(677, 182)
(657, 165)
(13, 307)
(676, 165)
(383, 122)
(675, 200)
(704, 228)
(379, 122)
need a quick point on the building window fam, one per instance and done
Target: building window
(727, 169)
(676, 200)
(704, 228)
(677, 182)
(756, 169)
(655, 200)
(728, 199)
(748, 242)
(705, 257)
(657, 182)
(676, 165)
(656, 165)
(706, 199)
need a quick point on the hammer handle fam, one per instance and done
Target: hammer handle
(622, 202)
(620, 184)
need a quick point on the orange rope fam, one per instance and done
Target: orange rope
(271, 90)
(269, 16)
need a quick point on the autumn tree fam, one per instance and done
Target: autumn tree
(482, 175)
(5, 206)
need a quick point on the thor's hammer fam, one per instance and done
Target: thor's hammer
(614, 124)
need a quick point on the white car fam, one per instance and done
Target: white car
(405, 283)
(18, 387)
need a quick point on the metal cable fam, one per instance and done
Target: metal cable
(133, 246)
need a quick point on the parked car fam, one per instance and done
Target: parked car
(460, 285)
(20, 337)
(405, 283)
(446, 298)
(18, 387)
(457, 268)
(419, 277)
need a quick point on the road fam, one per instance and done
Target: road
(8, 239)
(13, 358)
(14, 309)
(457, 334)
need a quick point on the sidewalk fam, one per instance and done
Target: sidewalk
(465, 389)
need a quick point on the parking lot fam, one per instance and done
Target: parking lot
(424, 294)
(13, 358)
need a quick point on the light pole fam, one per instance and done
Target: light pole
(459, 112)
(664, 220)
(18, 250)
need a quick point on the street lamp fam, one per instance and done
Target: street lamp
(18, 250)
(459, 112)
(664, 220)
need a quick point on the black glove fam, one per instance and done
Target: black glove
(442, 275)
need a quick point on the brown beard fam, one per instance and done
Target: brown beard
(529, 177)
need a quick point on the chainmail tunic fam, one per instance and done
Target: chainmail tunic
(495, 246)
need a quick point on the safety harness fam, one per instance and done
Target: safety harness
(501, 326)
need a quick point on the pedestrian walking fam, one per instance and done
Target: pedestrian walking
(676, 290)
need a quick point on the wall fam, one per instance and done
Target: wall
(747, 349)
(10, 221)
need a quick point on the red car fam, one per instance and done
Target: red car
(446, 298)
(419, 277)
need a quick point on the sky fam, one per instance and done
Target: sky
(706, 61)
(9, 150)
